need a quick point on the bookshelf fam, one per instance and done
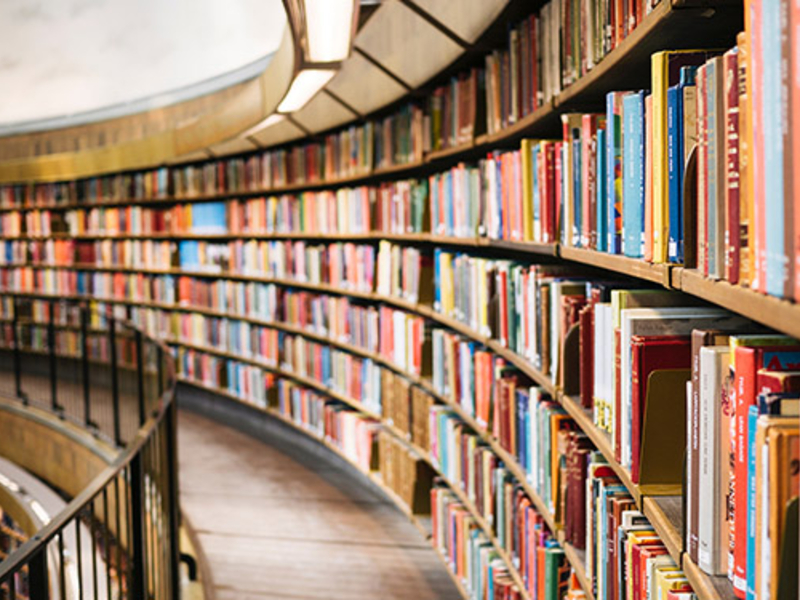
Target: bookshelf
(671, 24)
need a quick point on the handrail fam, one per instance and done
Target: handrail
(130, 509)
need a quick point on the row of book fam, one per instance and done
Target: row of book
(543, 54)
(354, 434)
(342, 372)
(549, 438)
(660, 328)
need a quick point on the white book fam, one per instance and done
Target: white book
(714, 435)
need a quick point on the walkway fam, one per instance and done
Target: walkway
(283, 521)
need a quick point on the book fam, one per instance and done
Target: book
(633, 175)
(665, 73)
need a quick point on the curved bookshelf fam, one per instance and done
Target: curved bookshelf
(672, 23)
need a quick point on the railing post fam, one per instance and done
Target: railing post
(51, 340)
(139, 561)
(17, 358)
(140, 376)
(87, 400)
(112, 333)
(172, 483)
(37, 576)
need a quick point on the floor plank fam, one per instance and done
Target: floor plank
(278, 522)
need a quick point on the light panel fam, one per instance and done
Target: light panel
(305, 85)
(329, 24)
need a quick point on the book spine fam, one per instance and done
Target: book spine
(613, 174)
(749, 568)
(745, 381)
(702, 171)
(757, 93)
(675, 172)
(602, 193)
(660, 198)
(732, 240)
(793, 147)
(745, 140)
(713, 135)
(774, 119)
(633, 171)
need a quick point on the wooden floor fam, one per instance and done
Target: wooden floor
(283, 522)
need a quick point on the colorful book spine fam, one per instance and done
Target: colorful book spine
(633, 175)
(614, 172)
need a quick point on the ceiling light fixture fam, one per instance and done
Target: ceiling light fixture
(329, 29)
(304, 87)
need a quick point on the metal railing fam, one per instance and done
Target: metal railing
(118, 538)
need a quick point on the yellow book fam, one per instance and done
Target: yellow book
(659, 572)
(668, 582)
(526, 147)
(187, 217)
(665, 72)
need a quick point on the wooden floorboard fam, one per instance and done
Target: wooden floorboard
(275, 521)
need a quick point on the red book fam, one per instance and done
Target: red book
(548, 189)
(748, 360)
(732, 239)
(651, 354)
(590, 123)
(777, 381)
(557, 216)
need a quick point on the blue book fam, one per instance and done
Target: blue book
(209, 217)
(633, 175)
(437, 275)
(752, 425)
(776, 261)
(189, 254)
(499, 201)
(675, 173)
(522, 412)
(600, 178)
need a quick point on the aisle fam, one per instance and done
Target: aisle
(284, 522)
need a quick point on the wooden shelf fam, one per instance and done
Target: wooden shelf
(601, 440)
(705, 586)
(666, 516)
(632, 267)
(781, 315)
